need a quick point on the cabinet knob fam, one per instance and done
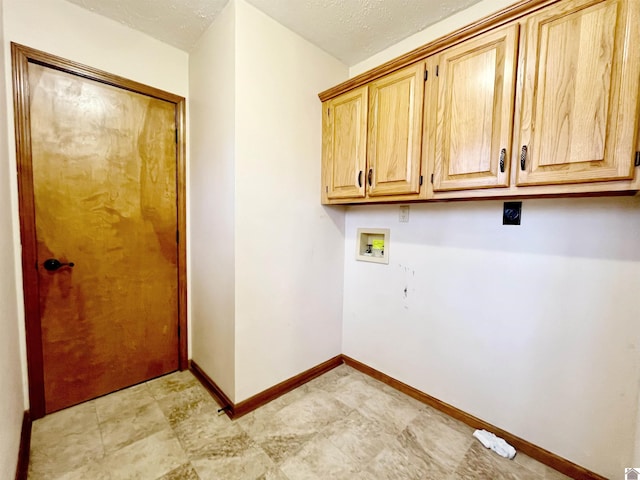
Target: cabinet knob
(369, 176)
(360, 179)
(503, 154)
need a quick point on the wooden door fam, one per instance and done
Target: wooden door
(345, 144)
(104, 192)
(474, 118)
(395, 132)
(580, 97)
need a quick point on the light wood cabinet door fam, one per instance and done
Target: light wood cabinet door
(395, 132)
(345, 143)
(474, 118)
(580, 94)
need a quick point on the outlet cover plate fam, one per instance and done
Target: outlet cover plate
(512, 213)
(403, 216)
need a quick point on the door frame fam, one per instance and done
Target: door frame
(21, 56)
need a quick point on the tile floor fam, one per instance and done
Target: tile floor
(342, 425)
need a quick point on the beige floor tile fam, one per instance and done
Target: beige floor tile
(358, 437)
(282, 446)
(541, 469)
(253, 422)
(551, 474)
(329, 381)
(404, 397)
(530, 464)
(304, 416)
(204, 436)
(353, 390)
(147, 459)
(320, 459)
(68, 456)
(314, 410)
(341, 370)
(481, 463)
(357, 374)
(132, 425)
(278, 439)
(94, 470)
(184, 472)
(353, 372)
(283, 433)
(250, 464)
(318, 384)
(445, 444)
(400, 461)
(447, 420)
(343, 424)
(65, 441)
(197, 431)
(172, 383)
(74, 420)
(184, 404)
(394, 412)
(273, 473)
(115, 404)
(277, 404)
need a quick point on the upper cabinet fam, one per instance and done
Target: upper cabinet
(541, 99)
(395, 132)
(372, 140)
(473, 117)
(344, 142)
(580, 93)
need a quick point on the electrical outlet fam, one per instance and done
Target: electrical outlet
(404, 214)
(512, 213)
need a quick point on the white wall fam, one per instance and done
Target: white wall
(289, 248)
(212, 119)
(267, 258)
(531, 328)
(64, 29)
(11, 392)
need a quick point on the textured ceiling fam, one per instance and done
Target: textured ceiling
(177, 22)
(350, 30)
(353, 30)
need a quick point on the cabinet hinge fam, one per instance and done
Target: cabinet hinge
(421, 179)
(637, 163)
(437, 70)
(426, 75)
(432, 178)
(177, 236)
(176, 135)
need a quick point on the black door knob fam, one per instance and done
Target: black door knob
(52, 264)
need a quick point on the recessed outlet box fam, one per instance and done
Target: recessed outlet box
(372, 245)
(512, 213)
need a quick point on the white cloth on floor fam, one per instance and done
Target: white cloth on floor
(497, 444)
